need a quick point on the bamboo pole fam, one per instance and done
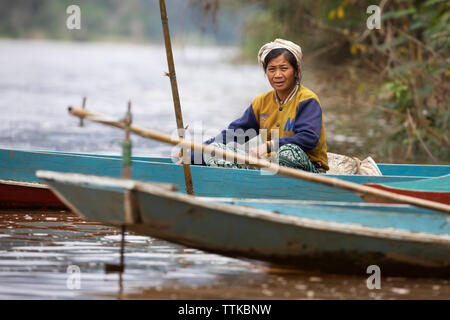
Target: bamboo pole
(289, 172)
(175, 95)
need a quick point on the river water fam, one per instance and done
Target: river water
(39, 80)
(40, 251)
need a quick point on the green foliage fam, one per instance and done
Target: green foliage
(417, 80)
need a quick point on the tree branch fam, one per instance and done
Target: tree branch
(422, 143)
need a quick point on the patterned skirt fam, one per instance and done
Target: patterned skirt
(289, 155)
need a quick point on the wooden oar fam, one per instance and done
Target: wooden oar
(175, 95)
(289, 172)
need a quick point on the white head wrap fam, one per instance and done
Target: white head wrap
(295, 49)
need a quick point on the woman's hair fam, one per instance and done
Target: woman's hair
(275, 53)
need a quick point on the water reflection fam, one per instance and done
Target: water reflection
(36, 248)
(46, 76)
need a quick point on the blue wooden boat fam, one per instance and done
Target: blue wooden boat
(433, 189)
(20, 188)
(326, 236)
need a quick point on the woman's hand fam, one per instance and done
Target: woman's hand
(179, 156)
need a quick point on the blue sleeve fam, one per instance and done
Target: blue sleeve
(236, 130)
(307, 126)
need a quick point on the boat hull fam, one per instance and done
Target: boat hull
(20, 166)
(431, 196)
(435, 189)
(14, 195)
(291, 240)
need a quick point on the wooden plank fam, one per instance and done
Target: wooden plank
(132, 209)
(416, 171)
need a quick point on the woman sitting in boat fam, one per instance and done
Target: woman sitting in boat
(291, 109)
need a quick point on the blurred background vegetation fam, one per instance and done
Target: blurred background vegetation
(409, 56)
(389, 87)
(117, 20)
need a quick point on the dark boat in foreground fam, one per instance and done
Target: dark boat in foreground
(333, 237)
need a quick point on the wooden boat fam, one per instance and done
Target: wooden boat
(434, 189)
(332, 237)
(20, 188)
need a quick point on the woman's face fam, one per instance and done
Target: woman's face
(281, 74)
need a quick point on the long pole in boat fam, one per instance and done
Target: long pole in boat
(175, 95)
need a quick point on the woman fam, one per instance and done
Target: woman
(291, 109)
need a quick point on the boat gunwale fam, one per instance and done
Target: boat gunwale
(399, 185)
(20, 183)
(154, 159)
(317, 203)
